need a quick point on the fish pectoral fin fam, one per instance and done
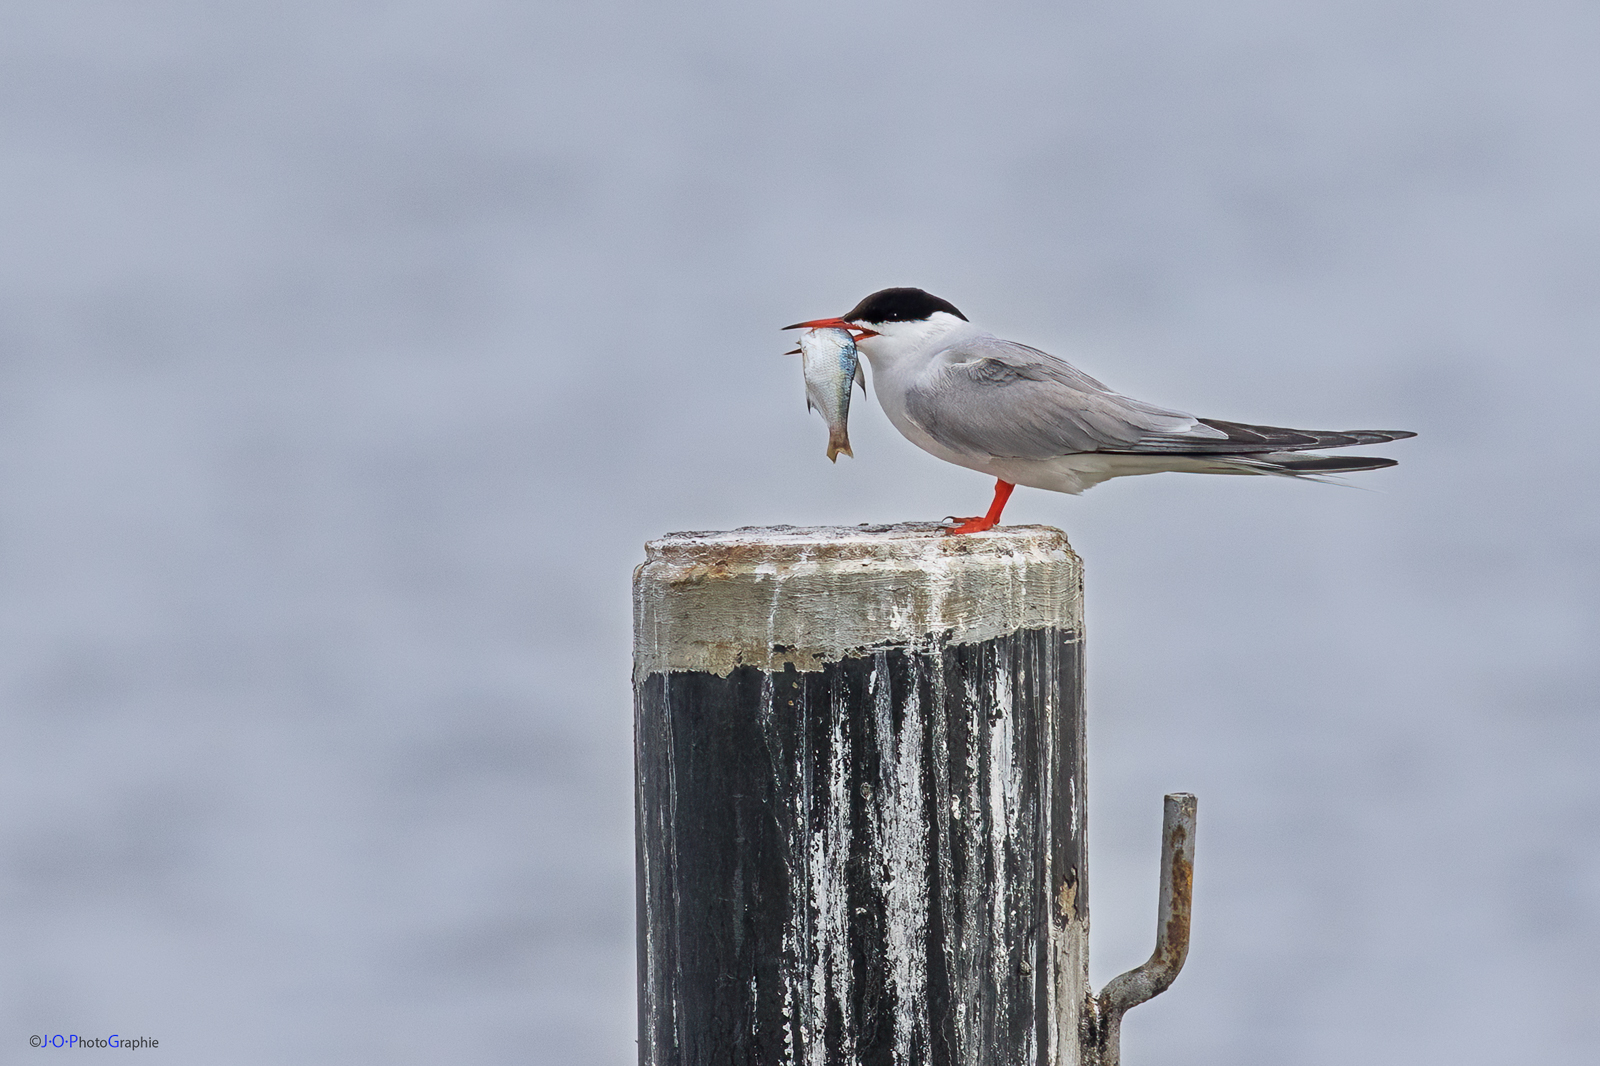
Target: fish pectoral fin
(861, 379)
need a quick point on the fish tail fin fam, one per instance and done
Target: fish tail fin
(839, 441)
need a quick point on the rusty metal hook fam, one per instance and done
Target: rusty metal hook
(1103, 1018)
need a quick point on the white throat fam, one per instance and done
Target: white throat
(898, 342)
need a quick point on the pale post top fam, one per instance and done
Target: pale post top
(803, 596)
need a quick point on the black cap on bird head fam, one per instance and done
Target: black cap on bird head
(900, 305)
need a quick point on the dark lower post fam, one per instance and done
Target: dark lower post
(860, 798)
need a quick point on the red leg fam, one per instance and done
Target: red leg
(1002, 493)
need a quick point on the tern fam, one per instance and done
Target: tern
(1026, 417)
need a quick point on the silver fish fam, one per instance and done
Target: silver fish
(831, 364)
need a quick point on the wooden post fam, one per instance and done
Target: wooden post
(860, 798)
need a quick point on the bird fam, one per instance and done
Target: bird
(1026, 417)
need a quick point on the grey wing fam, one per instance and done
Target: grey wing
(996, 397)
(1240, 439)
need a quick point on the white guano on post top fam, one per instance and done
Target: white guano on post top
(804, 596)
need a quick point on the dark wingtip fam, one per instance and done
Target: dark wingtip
(1378, 436)
(1336, 464)
(1280, 438)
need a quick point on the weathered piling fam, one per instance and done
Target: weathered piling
(860, 798)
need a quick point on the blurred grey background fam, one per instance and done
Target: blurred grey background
(351, 350)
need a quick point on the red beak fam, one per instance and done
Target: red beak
(833, 323)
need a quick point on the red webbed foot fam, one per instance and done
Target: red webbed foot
(976, 524)
(1002, 493)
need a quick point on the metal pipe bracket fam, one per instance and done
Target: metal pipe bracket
(1103, 1016)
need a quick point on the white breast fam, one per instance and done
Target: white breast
(903, 354)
